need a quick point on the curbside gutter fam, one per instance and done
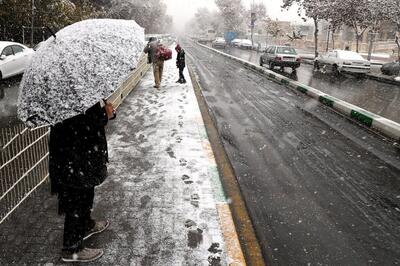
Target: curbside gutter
(387, 127)
(238, 230)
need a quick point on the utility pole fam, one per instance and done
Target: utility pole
(33, 18)
(327, 37)
(252, 22)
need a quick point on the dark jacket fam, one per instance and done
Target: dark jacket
(180, 59)
(151, 50)
(78, 151)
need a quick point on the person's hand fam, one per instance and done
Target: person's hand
(110, 111)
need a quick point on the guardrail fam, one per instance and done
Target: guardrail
(24, 152)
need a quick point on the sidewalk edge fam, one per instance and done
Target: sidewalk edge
(237, 210)
(387, 127)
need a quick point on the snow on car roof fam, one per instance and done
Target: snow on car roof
(349, 55)
(246, 41)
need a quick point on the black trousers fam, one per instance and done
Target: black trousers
(77, 205)
(181, 76)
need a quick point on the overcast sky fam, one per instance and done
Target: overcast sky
(183, 10)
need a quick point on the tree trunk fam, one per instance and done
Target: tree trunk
(333, 39)
(357, 41)
(371, 42)
(316, 37)
(398, 48)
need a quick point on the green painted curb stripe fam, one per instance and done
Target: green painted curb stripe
(366, 120)
(219, 193)
(302, 89)
(326, 101)
(285, 82)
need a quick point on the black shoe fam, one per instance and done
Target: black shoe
(84, 255)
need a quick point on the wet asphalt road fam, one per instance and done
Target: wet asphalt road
(319, 188)
(374, 96)
(9, 90)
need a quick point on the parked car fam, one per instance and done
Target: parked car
(14, 58)
(219, 43)
(246, 44)
(236, 42)
(280, 56)
(391, 69)
(343, 61)
(203, 40)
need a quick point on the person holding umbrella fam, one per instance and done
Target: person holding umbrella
(64, 87)
(77, 164)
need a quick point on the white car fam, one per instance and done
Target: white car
(343, 61)
(219, 43)
(236, 42)
(14, 58)
(246, 44)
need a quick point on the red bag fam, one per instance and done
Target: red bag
(163, 53)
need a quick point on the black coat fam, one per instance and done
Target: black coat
(180, 59)
(78, 151)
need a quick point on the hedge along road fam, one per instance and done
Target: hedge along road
(377, 97)
(319, 188)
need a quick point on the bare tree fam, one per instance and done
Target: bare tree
(394, 17)
(314, 9)
(232, 12)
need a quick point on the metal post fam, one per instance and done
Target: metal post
(327, 38)
(371, 36)
(32, 24)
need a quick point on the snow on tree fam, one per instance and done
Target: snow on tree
(150, 14)
(14, 14)
(232, 12)
(393, 16)
(314, 9)
(205, 19)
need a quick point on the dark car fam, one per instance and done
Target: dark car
(280, 56)
(391, 69)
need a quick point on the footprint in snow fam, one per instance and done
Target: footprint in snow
(187, 179)
(195, 200)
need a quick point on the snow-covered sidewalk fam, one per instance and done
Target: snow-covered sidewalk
(162, 196)
(164, 180)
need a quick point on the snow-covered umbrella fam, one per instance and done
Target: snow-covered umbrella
(83, 64)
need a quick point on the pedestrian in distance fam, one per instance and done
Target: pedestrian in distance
(78, 163)
(158, 63)
(180, 63)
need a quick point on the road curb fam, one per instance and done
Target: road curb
(236, 209)
(388, 127)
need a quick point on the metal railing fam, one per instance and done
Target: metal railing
(24, 152)
(24, 165)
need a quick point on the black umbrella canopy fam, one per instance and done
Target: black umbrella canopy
(86, 62)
